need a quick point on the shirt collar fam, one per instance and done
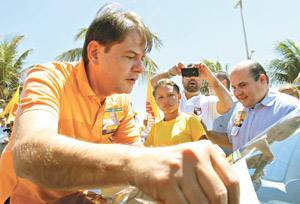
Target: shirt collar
(268, 100)
(82, 80)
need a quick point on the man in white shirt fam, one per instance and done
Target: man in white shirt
(208, 108)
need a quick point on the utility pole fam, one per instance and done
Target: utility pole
(240, 4)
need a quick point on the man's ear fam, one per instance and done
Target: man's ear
(93, 49)
(263, 78)
(179, 96)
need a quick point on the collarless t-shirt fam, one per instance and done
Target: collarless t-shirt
(184, 128)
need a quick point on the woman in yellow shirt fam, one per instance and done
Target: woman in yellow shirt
(176, 127)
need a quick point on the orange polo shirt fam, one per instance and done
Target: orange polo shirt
(63, 90)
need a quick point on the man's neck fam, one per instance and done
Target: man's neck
(189, 95)
(101, 95)
(262, 98)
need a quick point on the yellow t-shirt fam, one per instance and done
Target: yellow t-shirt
(63, 90)
(184, 128)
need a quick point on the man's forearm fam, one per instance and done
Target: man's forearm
(59, 162)
(225, 102)
(157, 77)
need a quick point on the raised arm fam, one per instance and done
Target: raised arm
(225, 101)
(175, 70)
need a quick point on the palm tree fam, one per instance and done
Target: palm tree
(287, 67)
(11, 66)
(75, 54)
(215, 66)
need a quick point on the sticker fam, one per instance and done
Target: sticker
(197, 111)
(235, 130)
(239, 118)
(110, 122)
(113, 109)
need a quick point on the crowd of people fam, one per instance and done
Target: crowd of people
(75, 129)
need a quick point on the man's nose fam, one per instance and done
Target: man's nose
(237, 92)
(139, 67)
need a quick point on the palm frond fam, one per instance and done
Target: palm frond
(81, 34)
(70, 55)
(214, 66)
(11, 65)
(156, 41)
(287, 67)
(20, 61)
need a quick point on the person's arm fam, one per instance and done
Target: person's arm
(225, 101)
(218, 138)
(55, 161)
(194, 172)
(175, 70)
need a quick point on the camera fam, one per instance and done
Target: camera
(189, 72)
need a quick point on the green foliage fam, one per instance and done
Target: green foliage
(287, 67)
(11, 66)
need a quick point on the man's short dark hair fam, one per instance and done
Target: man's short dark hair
(256, 69)
(112, 25)
(166, 82)
(221, 75)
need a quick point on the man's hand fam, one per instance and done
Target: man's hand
(176, 69)
(188, 173)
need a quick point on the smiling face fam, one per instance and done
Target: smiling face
(246, 89)
(167, 99)
(115, 70)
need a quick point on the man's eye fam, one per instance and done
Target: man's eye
(130, 57)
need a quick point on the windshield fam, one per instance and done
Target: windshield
(273, 160)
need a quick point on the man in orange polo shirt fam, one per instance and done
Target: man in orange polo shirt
(72, 119)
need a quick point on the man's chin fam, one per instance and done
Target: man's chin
(124, 90)
(247, 105)
(192, 90)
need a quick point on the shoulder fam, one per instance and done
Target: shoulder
(286, 101)
(51, 72)
(58, 68)
(189, 117)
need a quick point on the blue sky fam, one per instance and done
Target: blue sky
(191, 30)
